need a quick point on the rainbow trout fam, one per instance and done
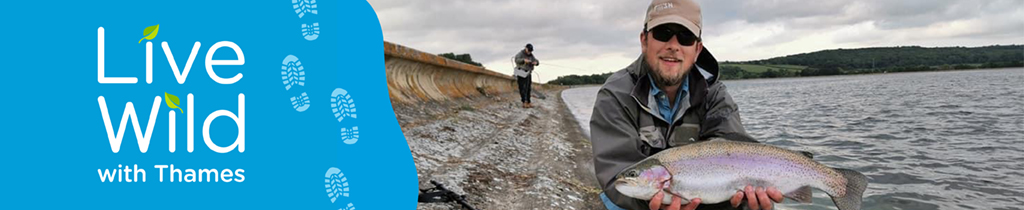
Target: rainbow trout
(715, 170)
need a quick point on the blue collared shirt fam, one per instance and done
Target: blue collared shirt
(666, 109)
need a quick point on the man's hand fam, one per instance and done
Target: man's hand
(675, 205)
(757, 198)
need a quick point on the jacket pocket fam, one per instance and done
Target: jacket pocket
(651, 140)
(684, 134)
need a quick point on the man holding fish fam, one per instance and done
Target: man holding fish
(652, 127)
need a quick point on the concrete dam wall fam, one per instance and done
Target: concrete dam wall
(415, 76)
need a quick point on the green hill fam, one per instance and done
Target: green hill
(746, 70)
(881, 59)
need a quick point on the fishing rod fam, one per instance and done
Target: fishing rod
(549, 64)
(565, 67)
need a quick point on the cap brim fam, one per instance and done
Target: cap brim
(674, 19)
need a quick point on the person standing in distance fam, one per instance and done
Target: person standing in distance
(524, 67)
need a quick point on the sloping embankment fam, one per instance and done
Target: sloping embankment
(415, 76)
(465, 129)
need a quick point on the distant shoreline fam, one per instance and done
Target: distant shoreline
(728, 79)
(873, 73)
(856, 62)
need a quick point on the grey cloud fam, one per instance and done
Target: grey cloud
(493, 30)
(889, 14)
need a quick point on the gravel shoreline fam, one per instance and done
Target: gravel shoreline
(502, 156)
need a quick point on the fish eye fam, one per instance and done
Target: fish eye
(631, 173)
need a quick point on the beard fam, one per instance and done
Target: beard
(663, 80)
(665, 76)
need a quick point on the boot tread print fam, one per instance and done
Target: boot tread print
(292, 72)
(336, 184)
(311, 31)
(302, 7)
(350, 136)
(301, 102)
(342, 104)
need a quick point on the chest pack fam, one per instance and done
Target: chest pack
(658, 134)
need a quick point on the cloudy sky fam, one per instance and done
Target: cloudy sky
(589, 37)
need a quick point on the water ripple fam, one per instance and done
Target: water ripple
(934, 140)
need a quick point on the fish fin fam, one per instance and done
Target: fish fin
(802, 194)
(668, 197)
(856, 183)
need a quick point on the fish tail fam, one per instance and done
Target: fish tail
(855, 185)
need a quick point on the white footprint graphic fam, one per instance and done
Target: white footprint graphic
(304, 6)
(342, 104)
(336, 184)
(349, 207)
(350, 136)
(311, 32)
(292, 72)
(301, 102)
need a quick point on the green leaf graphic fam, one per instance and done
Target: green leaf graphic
(173, 102)
(150, 32)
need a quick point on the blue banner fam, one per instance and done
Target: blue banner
(199, 104)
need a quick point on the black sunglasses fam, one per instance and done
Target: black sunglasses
(664, 33)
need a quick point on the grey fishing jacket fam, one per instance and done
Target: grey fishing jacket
(521, 61)
(626, 127)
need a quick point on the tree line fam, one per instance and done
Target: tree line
(465, 58)
(581, 79)
(856, 61)
(899, 59)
